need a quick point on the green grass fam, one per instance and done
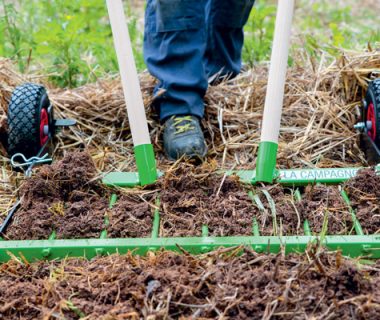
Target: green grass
(71, 41)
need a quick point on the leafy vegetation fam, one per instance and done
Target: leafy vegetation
(71, 41)
(318, 26)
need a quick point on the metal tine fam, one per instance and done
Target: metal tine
(156, 220)
(306, 225)
(357, 226)
(113, 200)
(52, 236)
(272, 206)
(255, 228)
(204, 230)
(256, 200)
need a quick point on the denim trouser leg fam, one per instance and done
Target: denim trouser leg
(186, 41)
(225, 21)
(174, 47)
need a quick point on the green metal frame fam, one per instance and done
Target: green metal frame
(32, 250)
(291, 177)
(354, 245)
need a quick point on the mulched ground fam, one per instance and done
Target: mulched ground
(278, 214)
(282, 214)
(364, 193)
(132, 217)
(64, 197)
(195, 196)
(324, 205)
(68, 198)
(218, 285)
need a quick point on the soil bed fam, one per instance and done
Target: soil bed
(283, 215)
(67, 198)
(169, 285)
(364, 194)
(324, 204)
(192, 196)
(278, 215)
(131, 217)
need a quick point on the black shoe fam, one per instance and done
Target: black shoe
(183, 136)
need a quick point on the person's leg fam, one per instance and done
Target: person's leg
(225, 37)
(174, 47)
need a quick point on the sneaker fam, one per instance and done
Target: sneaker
(183, 136)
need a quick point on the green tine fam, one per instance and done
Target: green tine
(297, 195)
(306, 225)
(256, 199)
(306, 228)
(272, 206)
(255, 228)
(156, 220)
(204, 230)
(46, 252)
(113, 200)
(357, 226)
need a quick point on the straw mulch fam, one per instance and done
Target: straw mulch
(321, 106)
(217, 285)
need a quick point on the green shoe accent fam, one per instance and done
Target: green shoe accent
(266, 161)
(146, 163)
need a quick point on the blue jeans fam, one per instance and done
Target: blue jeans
(188, 41)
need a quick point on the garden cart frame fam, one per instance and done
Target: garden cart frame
(354, 244)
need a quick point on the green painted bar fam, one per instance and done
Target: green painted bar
(296, 177)
(302, 177)
(146, 163)
(266, 161)
(124, 179)
(32, 250)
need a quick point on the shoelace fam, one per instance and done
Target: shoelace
(183, 124)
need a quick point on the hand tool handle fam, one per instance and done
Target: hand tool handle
(143, 148)
(128, 73)
(266, 160)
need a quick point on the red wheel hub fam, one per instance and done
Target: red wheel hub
(44, 121)
(372, 117)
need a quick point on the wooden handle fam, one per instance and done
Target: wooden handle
(277, 73)
(128, 73)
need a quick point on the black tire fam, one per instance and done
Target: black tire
(24, 114)
(373, 97)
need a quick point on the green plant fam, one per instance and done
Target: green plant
(72, 39)
(319, 26)
(13, 40)
(259, 33)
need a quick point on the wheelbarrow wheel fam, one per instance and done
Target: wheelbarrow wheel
(372, 111)
(29, 120)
